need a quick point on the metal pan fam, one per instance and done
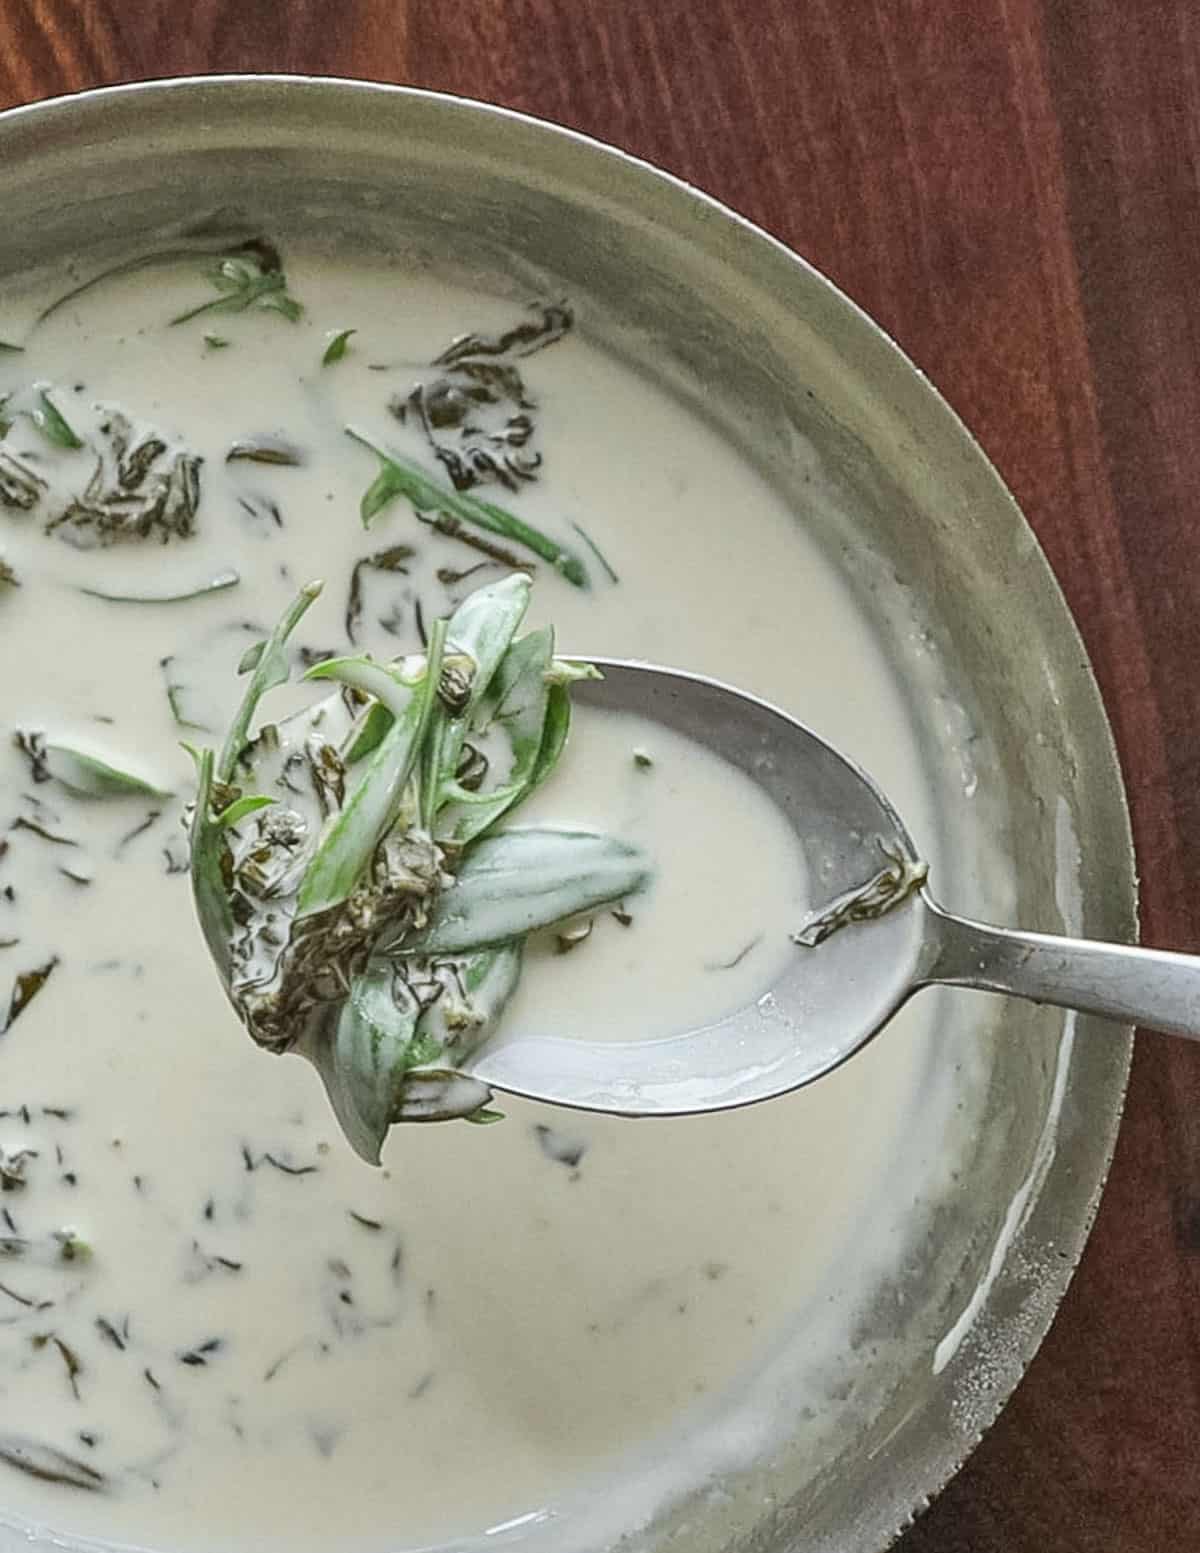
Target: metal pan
(781, 362)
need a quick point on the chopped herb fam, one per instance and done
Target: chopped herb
(290, 1170)
(449, 575)
(261, 509)
(48, 1463)
(178, 695)
(85, 775)
(20, 487)
(265, 450)
(141, 486)
(71, 1360)
(8, 578)
(215, 342)
(453, 529)
(361, 1218)
(250, 276)
(13, 1168)
(21, 823)
(76, 878)
(241, 807)
(274, 1368)
(478, 416)
(13, 349)
(728, 965)
(138, 830)
(392, 559)
(110, 1333)
(50, 421)
(901, 877)
(552, 322)
(596, 551)
(26, 987)
(643, 761)
(21, 1299)
(215, 584)
(337, 347)
(71, 1247)
(399, 478)
(619, 914)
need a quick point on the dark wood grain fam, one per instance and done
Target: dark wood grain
(1011, 187)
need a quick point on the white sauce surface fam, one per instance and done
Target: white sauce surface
(516, 1326)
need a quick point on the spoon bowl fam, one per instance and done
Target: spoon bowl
(874, 936)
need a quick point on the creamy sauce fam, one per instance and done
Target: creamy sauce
(277, 1347)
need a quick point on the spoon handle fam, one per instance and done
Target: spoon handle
(1153, 987)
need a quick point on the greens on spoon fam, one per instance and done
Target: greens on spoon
(358, 901)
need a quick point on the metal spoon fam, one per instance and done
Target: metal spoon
(841, 991)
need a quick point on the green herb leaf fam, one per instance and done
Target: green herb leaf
(209, 850)
(241, 807)
(270, 665)
(337, 347)
(251, 277)
(363, 1057)
(216, 584)
(14, 349)
(397, 477)
(518, 881)
(216, 342)
(374, 803)
(50, 421)
(518, 702)
(88, 776)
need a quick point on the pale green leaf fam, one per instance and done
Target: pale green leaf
(518, 881)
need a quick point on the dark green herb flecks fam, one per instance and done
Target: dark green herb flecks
(597, 552)
(897, 881)
(478, 416)
(46, 1462)
(21, 488)
(141, 487)
(26, 987)
(394, 559)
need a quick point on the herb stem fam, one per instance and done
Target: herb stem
(397, 477)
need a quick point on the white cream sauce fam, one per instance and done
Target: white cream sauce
(363, 1359)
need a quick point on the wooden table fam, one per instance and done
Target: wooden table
(1012, 188)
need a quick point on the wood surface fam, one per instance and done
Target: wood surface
(1012, 188)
